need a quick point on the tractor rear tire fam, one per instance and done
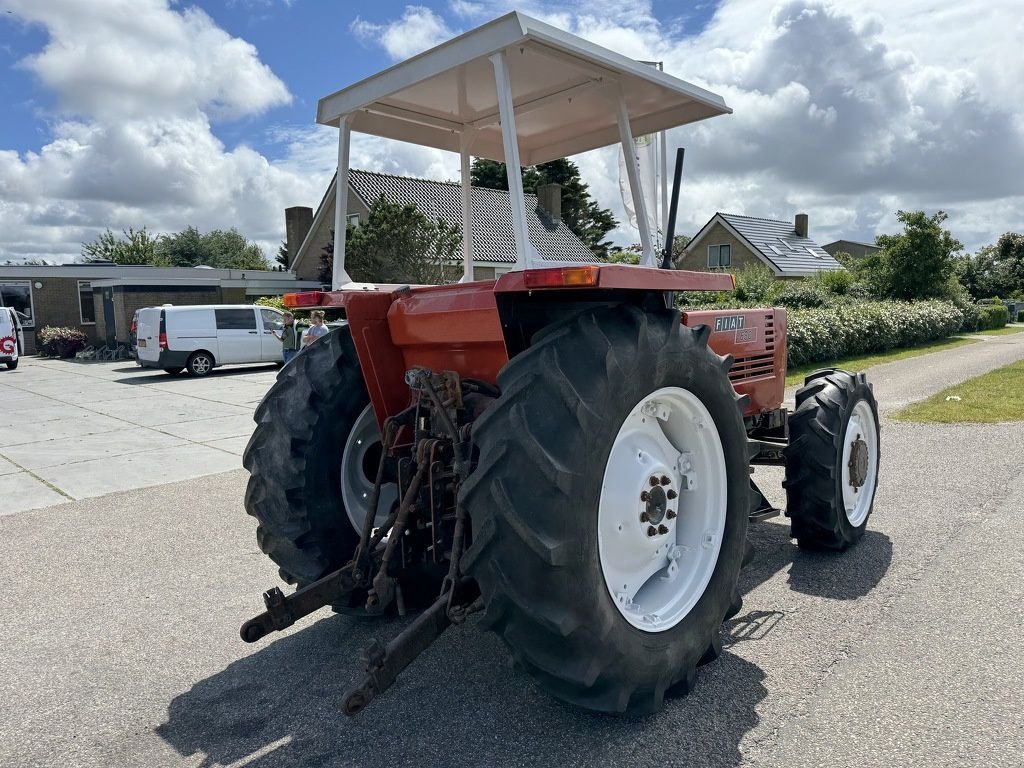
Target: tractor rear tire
(537, 497)
(294, 460)
(833, 430)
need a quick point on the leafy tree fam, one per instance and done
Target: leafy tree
(580, 212)
(995, 270)
(632, 253)
(326, 273)
(915, 264)
(398, 244)
(282, 256)
(131, 247)
(230, 249)
(223, 249)
(27, 263)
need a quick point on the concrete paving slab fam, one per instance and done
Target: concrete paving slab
(235, 445)
(51, 411)
(20, 491)
(170, 409)
(76, 424)
(7, 468)
(24, 401)
(117, 442)
(237, 425)
(86, 479)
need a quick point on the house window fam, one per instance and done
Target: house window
(17, 294)
(719, 256)
(86, 309)
(483, 273)
(353, 220)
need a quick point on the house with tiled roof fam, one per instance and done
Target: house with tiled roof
(856, 248)
(729, 241)
(494, 250)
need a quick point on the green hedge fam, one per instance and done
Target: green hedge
(856, 328)
(60, 342)
(992, 316)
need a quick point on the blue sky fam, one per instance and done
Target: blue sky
(167, 114)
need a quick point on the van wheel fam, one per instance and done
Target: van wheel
(173, 371)
(200, 364)
(12, 365)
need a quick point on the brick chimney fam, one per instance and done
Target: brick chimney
(801, 224)
(297, 223)
(549, 198)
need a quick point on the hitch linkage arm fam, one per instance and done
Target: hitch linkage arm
(284, 610)
(383, 664)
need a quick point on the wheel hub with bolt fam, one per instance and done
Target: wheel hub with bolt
(858, 463)
(666, 465)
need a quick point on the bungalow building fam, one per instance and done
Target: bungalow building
(730, 241)
(853, 247)
(100, 299)
(493, 236)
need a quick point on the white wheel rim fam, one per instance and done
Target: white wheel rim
(201, 364)
(655, 580)
(359, 470)
(857, 495)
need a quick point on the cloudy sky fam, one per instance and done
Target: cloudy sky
(132, 113)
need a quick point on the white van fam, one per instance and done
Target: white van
(12, 338)
(200, 338)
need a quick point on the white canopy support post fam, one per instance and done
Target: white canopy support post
(467, 211)
(340, 277)
(639, 204)
(510, 143)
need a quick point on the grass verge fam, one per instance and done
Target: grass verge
(860, 362)
(995, 396)
(1001, 331)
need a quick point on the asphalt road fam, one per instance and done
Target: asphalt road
(120, 616)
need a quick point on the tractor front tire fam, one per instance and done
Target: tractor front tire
(832, 460)
(294, 459)
(557, 511)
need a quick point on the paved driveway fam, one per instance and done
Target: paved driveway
(120, 637)
(75, 430)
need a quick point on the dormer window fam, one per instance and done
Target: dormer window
(719, 256)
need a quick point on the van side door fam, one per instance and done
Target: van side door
(272, 322)
(238, 335)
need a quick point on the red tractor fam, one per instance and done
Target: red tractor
(559, 448)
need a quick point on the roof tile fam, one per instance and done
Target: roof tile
(493, 235)
(779, 243)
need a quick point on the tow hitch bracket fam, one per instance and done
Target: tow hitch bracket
(284, 610)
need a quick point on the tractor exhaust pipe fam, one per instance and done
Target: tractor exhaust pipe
(670, 229)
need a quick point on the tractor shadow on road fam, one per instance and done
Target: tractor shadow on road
(833, 575)
(459, 704)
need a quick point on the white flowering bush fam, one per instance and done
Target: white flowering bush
(855, 328)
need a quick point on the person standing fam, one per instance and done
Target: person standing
(289, 337)
(316, 330)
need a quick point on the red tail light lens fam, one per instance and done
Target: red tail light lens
(163, 341)
(561, 277)
(304, 299)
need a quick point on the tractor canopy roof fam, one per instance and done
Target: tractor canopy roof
(564, 92)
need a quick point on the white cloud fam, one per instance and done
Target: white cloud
(130, 58)
(418, 29)
(138, 83)
(847, 111)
